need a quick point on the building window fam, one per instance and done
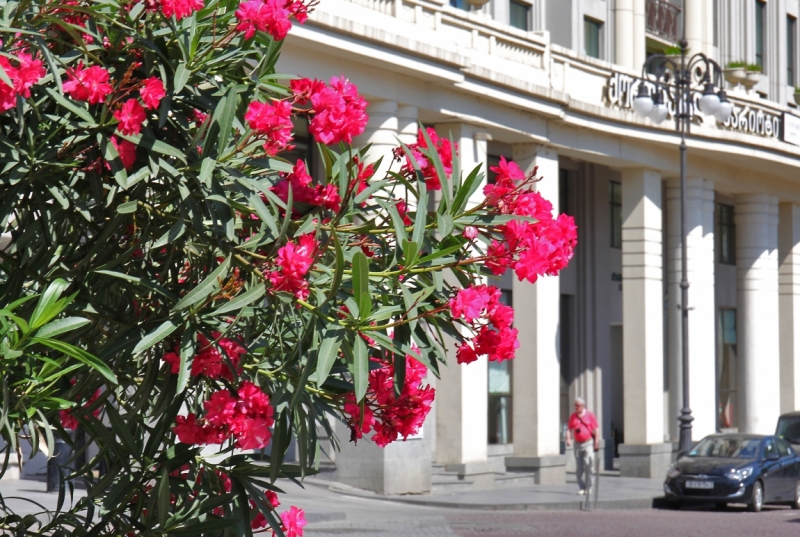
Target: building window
(492, 161)
(791, 46)
(519, 15)
(500, 401)
(726, 231)
(726, 368)
(761, 11)
(563, 192)
(615, 200)
(460, 4)
(591, 37)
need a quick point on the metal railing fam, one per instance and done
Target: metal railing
(663, 19)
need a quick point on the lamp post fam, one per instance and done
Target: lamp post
(696, 81)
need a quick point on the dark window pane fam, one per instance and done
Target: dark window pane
(591, 37)
(615, 199)
(492, 161)
(791, 39)
(726, 231)
(519, 15)
(760, 12)
(460, 4)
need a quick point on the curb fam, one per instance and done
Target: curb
(432, 501)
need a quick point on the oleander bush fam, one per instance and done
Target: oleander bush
(179, 301)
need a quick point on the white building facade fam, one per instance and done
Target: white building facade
(549, 83)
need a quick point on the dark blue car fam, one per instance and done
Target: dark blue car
(736, 468)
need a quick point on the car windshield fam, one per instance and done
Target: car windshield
(731, 448)
(789, 429)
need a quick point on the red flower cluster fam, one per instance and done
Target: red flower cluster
(303, 191)
(260, 521)
(209, 361)
(68, 419)
(152, 92)
(531, 249)
(247, 417)
(27, 73)
(294, 261)
(339, 111)
(89, 85)
(126, 151)
(442, 147)
(498, 339)
(273, 121)
(130, 116)
(294, 520)
(389, 415)
(271, 16)
(180, 8)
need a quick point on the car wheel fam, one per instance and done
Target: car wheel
(756, 498)
(796, 502)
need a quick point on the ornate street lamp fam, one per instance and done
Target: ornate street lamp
(682, 82)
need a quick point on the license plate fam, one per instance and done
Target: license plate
(699, 484)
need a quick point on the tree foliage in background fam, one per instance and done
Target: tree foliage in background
(185, 301)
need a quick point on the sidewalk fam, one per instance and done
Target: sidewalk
(614, 493)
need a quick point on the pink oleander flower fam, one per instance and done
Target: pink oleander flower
(89, 85)
(388, 414)
(152, 92)
(469, 303)
(246, 417)
(442, 147)
(470, 232)
(294, 520)
(270, 16)
(180, 8)
(339, 111)
(294, 261)
(273, 121)
(28, 72)
(126, 151)
(130, 116)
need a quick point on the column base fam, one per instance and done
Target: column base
(549, 470)
(399, 468)
(647, 460)
(480, 473)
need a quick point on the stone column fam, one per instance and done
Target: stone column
(702, 316)
(639, 35)
(381, 132)
(462, 425)
(756, 217)
(624, 34)
(629, 34)
(789, 303)
(537, 372)
(644, 453)
(695, 25)
(407, 123)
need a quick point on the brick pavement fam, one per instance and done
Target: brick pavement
(773, 522)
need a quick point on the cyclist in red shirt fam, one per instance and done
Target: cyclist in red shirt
(582, 426)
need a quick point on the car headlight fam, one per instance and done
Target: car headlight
(673, 472)
(741, 474)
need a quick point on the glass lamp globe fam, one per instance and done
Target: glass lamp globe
(724, 109)
(659, 111)
(709, 102)
(642, 103)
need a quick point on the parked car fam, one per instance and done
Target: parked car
(789, 429)
(736, 468)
